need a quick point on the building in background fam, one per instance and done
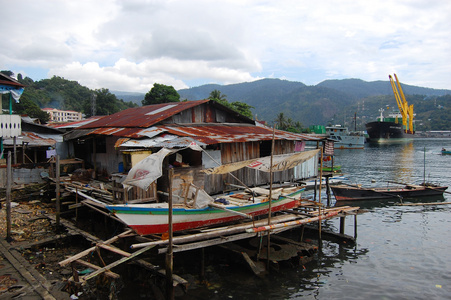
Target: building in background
(60, 116)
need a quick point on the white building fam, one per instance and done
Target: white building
(57, 115)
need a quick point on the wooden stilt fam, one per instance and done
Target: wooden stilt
(8, 197)
(169, 254)
(58, 204)
(342, 225)
(355, 226)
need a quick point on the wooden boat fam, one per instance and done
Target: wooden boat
(346, 192)
(153, 218)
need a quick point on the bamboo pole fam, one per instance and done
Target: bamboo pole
(58, 202)
(169, 254)
(268, 244)
(8, 198)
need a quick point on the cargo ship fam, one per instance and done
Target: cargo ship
(397, 127)
(388, 130)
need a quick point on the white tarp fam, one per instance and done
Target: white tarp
(151, 168)
(147, 170)
(280, 163)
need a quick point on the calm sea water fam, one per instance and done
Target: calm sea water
(402, 252)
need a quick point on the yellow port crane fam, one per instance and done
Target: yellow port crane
(404, 108)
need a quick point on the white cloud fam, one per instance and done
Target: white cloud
(129, 45)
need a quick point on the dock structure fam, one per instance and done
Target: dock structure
(128, 248)
(224, 236)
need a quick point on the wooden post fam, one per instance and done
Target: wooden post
(202, 264)
(268, 244)
(169, 254)
(94, 157)
(328, 191)
(23, 152)
(355, 226)
(315, 190)
(342, 225)
(8, 197)
(58, 204)
(15, 150)
(76, 202)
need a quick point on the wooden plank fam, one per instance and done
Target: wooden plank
(212, 242)
(87, 251)
(256, 269)
(176, 279)
(114, 249)
(114, 264)
(95, 267)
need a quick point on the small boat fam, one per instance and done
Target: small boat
(334, 169)
(152, 218)
(446, 152)
(309, 184)
(344, 139)
(346, 192)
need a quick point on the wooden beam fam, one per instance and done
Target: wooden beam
(84, 279)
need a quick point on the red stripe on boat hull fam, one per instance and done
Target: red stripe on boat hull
(154, 229)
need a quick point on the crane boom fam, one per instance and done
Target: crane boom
(404, 108)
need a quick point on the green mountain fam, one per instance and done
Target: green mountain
(331, 101)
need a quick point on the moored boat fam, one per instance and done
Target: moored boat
(153, 218)
(346, 192)
(344, 139)
(398, 127)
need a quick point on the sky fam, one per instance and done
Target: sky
(129, 45)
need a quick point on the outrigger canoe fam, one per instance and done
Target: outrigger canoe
(346, 192)
(152, 218)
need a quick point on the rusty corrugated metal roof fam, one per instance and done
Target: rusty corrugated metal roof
(230, 133)
(207, 133)
(143, 117)
(31, 139)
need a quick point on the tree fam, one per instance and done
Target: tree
(161, 93)
(217, 95)
(242, 108)
(281, 121)
(30, 108)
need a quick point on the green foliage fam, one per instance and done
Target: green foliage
(240, 107)
(27, 107)
(60, 93)
(288, 124)
(161, 93)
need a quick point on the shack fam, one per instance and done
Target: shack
(110, 144)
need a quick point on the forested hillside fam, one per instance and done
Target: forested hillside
(329, 102)
(64, 94)
(332, 101)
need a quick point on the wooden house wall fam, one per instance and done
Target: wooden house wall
(234, 152)
(204, 113)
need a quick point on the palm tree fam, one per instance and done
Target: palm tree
(281, 121)
(217, 95)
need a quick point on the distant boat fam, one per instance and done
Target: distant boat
(396, 127)
(344, 139)
(387, 130)
(346, 192)
(446, 152)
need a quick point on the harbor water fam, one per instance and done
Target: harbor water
(402, 252)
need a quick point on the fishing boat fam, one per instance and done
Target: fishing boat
(347, 192)
(445, 152)
(345, 139)
(310, 184)
(203, 210)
